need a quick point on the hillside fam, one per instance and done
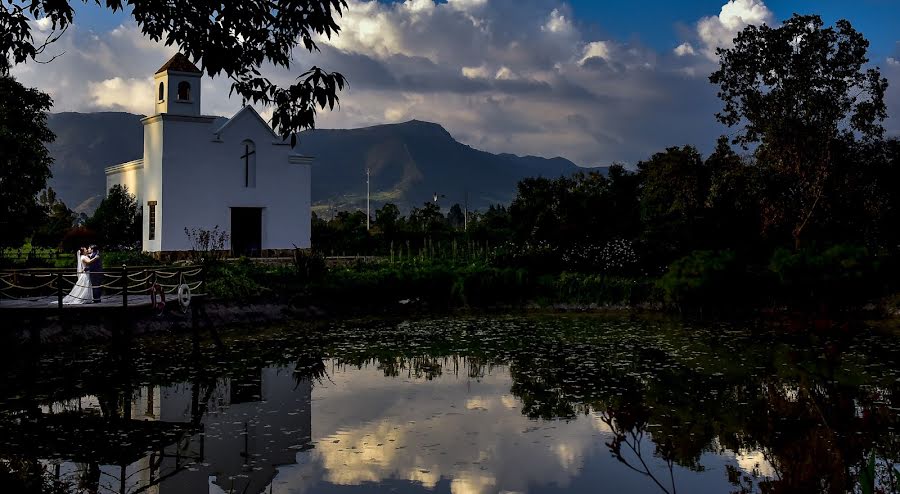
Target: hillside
(86, 143)
(412, 161)
(409, 162)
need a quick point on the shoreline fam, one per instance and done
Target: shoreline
(54, 330)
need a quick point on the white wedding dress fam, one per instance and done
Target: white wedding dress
(81, 293)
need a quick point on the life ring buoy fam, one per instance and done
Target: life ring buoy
(158, 299)
(184, 296)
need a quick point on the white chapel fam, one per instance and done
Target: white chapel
(201, 171)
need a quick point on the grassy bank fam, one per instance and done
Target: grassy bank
(838, 279)
(433, 285)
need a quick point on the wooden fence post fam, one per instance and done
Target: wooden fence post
(59, 289)
(124, 286)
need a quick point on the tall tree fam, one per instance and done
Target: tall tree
(387, 218)
(233, 38)
(428, 218)
(733, 199)
(455, 217)
(799, 92)
(674, 187)
(24, 159)
(117, 220)
(58, 219)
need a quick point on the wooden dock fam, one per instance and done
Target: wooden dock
(52, 303)
(42, 292)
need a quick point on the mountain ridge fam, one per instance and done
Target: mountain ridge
(409, 162)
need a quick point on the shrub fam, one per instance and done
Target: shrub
(841, 275)
(481, 286)
(207, 245)
(309, 265)
(78, 237)
(703, 278)
(601, 290)
(233, 280)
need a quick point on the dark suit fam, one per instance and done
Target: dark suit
(95, 268)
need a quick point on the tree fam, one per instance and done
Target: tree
(428, 218)
(494, 224)
(733, 199)
(800, 92)
(674, 186)
(455, 217)
(624, 209)
(387, 219)
(537, 209)
(232, 38)
(58, 219)
(117, 220)
(24, 159)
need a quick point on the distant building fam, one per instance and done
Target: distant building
(201, 171)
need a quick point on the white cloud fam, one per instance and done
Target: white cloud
(419, 6)
(466, 5)
(596, 49)
(369, 28)
(44, 23)
(476, 72)
(684, 49)
(132, 95)
(557, 23)
(893, 61)
(504, 74)
(719, 31)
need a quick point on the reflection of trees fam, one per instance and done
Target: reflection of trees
(812, 418)
(421, 366)
(814, 407)
(632, 438)
(26, 475)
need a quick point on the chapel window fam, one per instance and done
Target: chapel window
(184, 91)
(248, 159)
(162, 92)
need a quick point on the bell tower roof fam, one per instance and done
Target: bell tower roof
(177, 87)
(179, 63)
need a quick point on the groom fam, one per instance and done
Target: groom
(94, 266)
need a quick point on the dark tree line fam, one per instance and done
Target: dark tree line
(807, 167)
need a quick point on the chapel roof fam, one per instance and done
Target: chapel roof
(179, 63)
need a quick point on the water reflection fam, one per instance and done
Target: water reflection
(463, 405)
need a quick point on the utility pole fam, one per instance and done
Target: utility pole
(367, 199)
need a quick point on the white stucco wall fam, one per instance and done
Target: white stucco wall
(152, 188)
(129, 175)
(170, 102)
(201, 179)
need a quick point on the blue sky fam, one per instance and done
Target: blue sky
(592, 81)
(658, 22)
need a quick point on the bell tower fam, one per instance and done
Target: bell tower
(176, 87)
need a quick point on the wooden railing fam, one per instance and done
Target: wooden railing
(48, 285)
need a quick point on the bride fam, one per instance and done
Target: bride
(81, 293)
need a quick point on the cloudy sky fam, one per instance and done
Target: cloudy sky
(582, 79)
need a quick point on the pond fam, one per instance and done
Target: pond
(462, 405)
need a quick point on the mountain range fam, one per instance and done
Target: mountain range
(409, 163)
